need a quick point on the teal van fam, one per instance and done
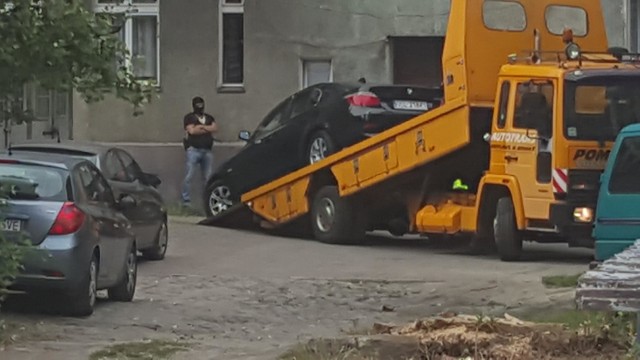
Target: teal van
(617, 224)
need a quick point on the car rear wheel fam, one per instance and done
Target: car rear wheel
(83, 300)
(334, 219)
(126, 288)
(218, 199)
(159, 248)
(320, 146)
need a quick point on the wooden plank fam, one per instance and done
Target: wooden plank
(614, 285)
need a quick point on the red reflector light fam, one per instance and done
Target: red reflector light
(68, 221)
(365, 99)
(5, 161)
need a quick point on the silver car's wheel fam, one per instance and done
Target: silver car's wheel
(318, 150)
(82, 301)
(219, 200)
(126, 288)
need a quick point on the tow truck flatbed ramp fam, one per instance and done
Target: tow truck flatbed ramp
(403, 148)
(239, 216)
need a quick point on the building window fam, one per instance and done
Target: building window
(139, 32)
(315, 72)
(231, 43)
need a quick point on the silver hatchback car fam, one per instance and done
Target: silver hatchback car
(83, 242)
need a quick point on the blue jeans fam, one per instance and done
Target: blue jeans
(195, 157)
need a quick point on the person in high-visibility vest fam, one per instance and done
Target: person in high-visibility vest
(459, 185)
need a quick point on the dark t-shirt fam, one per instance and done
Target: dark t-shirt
(204, 141)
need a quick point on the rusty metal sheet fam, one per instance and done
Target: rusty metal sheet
(612, 286)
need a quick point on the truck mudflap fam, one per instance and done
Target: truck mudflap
(239, 216)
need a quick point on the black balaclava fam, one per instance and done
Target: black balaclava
(198, 105)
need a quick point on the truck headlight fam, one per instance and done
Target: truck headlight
(583, 215)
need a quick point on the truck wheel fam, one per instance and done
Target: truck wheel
(507, 236)
(333, 218)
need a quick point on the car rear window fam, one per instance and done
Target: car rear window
(34, 182)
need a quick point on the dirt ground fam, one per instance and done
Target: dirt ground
(237, 295)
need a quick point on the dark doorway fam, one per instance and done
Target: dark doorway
(417, 60)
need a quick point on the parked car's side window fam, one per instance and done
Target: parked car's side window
(626, 169)
(113, 168)
(273, 121)
(95, 186)
(131, 167)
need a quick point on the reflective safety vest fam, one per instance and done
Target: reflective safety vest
(459, 185)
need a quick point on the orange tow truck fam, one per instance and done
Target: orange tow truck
(513, 154)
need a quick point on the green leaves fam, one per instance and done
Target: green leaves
(62, 46)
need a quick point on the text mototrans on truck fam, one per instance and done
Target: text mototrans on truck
(533, 99)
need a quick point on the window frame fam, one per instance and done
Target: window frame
(304, 83)
(226, 7)
(575, 33)
(131, 9)
(524, 12)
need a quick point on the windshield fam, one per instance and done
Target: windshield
(597, 108)
(33, 182)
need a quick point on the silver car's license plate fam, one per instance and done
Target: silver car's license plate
(411, 105)
(11, 225)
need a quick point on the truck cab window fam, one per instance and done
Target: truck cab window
(598, 107)
(504, 104)
(534, 110)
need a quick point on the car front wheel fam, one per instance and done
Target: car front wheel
(217, 199)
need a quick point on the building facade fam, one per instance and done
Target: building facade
(244, 56)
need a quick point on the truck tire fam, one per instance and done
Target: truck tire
(334, 219)
(507, 236)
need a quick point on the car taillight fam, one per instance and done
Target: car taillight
(68, 221)
(365, 99)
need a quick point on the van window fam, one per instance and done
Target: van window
(504, 15)
(625, 176)
(559, 17)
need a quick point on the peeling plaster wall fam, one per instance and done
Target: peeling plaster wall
(278, 33)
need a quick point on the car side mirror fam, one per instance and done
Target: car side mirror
(126, 202)
(244, 135)
(151, 180)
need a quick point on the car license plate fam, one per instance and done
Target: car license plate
(411, 105)
(11, 225)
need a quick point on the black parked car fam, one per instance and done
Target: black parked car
(149, 216)
(307, 127)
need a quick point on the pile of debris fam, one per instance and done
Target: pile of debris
(452, 336)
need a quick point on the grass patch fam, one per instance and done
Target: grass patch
(561, 281)
(13, 332)
(179, 210)
(154, 349)
(323, 350)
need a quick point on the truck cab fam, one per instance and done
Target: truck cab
(552, 134)
(617, 224)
